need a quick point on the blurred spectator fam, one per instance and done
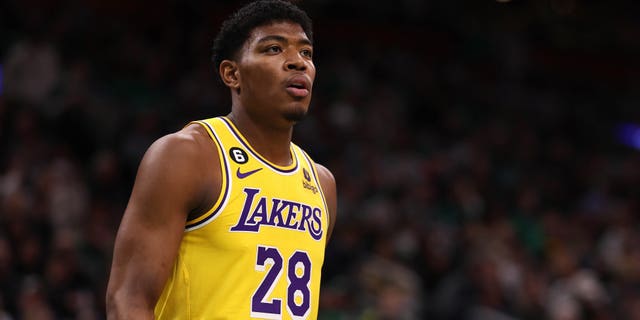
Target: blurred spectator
(31, 69)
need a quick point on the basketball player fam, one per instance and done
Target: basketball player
(228, 219)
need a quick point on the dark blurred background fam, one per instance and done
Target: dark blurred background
(485, 152)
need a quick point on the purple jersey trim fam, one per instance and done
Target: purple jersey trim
(240, 138)
(317, 180)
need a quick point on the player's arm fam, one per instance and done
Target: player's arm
(328, 183)
(168, 186)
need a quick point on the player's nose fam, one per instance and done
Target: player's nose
(295, 62)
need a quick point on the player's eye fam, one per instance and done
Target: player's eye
(307, 53)
(273, 49)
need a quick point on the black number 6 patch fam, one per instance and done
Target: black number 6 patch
(238, 155)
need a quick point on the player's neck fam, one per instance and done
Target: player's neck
(271, 143)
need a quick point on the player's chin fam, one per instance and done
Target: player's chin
(295, 114)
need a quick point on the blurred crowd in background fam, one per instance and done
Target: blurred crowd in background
(474, 143)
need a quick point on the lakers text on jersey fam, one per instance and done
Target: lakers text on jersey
(258, 252)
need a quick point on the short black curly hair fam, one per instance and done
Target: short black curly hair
(236, 29)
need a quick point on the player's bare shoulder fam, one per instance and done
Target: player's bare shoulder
(203, 147)
(180, 148)
(183, 165)
(325, 174)
(206, 165)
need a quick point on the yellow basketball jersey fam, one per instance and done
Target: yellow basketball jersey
(258, 252)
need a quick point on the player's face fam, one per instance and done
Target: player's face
(277, 72)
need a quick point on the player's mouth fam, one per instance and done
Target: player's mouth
(298, 86)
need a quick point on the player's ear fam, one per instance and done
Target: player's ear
(229, 74)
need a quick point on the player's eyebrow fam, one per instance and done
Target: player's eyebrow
(301, 41)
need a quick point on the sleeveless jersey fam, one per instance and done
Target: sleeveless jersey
(258, 252)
